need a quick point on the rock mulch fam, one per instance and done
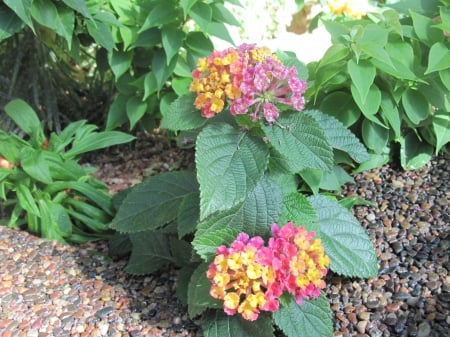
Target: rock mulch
(48, 289)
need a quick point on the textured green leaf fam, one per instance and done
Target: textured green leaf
(347, 112)
(254, 216)
(439, 58)
(26, 199)
(217, 324)
(301, 141)
(312, 317)
(172, 40)
(147, 206)
(338, 136)
(362, 75)
(441, 127)
(230, 163)
(375, 137)
(298, 209)
(150, 252)
(346, 243)
(198, 295)
(416, 106)
(188, 214)
(22, 10)
(120, 62)
(182, 115)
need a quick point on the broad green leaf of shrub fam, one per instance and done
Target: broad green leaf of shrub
(161, 68)
(375, 136)
(375, 160)
(160, 14)
(346, 243)
(136, 109)
(181, 85)
(230, 163)
(362, 75)
(218, 29)
(414, 152)
(201, 13)
(198, 295)
(216, 323)
(188, 214)
(333, 180)
(199, 43)
(10, 23)
(312, 178)
(120, 62)
(423, 27)
(301, 141)
(298, 209)
(439, 58)
(335, 53)
(338, 136)
(154, 202)
(415, 105)
(117, 114)
(441, 127)
(312, 316)
(26, 199)
(186, 5)
(150, 252)
(254, 216)
(79, 6)
(182, 115)
(172, 40)
(34, 163)
(347, 112)
(445, 78)
(222, 14)
(22, 10)
(391, 114)
(101, 34)
(372, 103)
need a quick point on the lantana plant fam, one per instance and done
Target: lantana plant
(252, 234)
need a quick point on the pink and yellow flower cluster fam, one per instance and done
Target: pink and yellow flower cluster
(250, 276)
(251, 79)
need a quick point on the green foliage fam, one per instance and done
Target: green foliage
(45, 188)
(388, 72)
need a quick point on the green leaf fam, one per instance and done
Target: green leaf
(338, 136)
(375, 160)
(217, 324)
(441, 127)
(161, 68)
(423, 27)
(312, 316)
(35, 164)
(445, 78)
(187, 5)
(221, 14)
(254, 216)
(298, 209)
(182, 115)
(62, 222)
(301, 141)
(97, 140)
(181, 85)
(199, 298)
(201, 13)
(26, 119)
(218, 29)
(230, 164)
(148, 38)
(370, 107)
(337, 52)
(101, 34)
(45, 13)
(199, 43)
(188, 214)
(79, 6)
(150, 85)
(183, 277)
(333, 180)
(312, 178)
(146, 206)
(10, 23)
(375, 137)
(120, 62)
(22, 10)
(26, 199)
(136, 109)
(117, 112)
(414, 152)
(160, 14)
(416, 106)
(172, 40)
(346, 243)
(362, 75)
(391, 114)
(439, 58)
(347, 112)
(150, 252)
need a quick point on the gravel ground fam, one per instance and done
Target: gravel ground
(48, 289)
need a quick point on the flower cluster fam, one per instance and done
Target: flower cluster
(250, 277)
(5, 164)
(252, 79)
(355, 9)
